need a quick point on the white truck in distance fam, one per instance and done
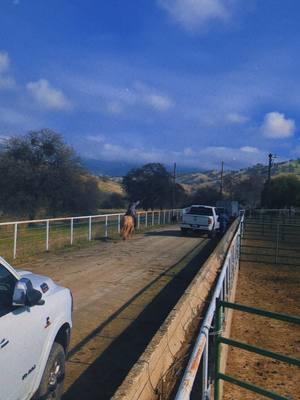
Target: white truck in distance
(200, 218)
(35, 326)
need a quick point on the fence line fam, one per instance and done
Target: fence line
(274, 242)
(29, 237)
(201, 353)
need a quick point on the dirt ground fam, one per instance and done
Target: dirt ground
(122, 293)
(274, 288)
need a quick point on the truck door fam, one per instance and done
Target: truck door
(21, 341)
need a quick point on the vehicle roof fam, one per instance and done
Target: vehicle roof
(201, 205)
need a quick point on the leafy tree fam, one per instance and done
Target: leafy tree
(206, 195)
(152, 184)
(114, 201)
(40, 172)
(283, 191)
(248, 190)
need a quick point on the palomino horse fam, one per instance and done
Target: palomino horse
(127, 227)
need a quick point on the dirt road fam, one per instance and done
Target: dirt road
(122, 293)
(274, 288)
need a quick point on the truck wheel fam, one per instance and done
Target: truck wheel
(51, 387)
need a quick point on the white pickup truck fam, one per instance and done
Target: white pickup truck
(35, 326)
(201, 219)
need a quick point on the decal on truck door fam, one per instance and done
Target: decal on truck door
(29, 372)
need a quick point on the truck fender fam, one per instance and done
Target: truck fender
(46, 351)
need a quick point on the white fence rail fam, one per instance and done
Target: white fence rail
(202, 354)
(24, 238)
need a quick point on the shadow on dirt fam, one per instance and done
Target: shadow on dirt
(105, 375)
(174, 233)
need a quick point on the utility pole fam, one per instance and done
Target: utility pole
(174, 189)
(269, 168)
(221, 183)
(271, 159)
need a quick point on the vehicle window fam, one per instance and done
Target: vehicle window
(201, 211)
(7, 285)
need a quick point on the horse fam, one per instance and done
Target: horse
(127, 227)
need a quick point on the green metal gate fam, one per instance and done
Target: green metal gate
(221, 305)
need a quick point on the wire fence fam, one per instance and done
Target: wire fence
(284, 215)
(20, 239)
(272, 241)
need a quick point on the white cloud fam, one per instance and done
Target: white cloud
(114, 107)
(249, 149)
(158, 102)
(118, 100)
(96, 138)
(277, 126)
(192, 14)
(48, 96)
(11, 118)
(236, 118)
(7, 82)
(207, 157)
(4, 62)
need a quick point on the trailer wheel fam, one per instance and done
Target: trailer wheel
(51, 386)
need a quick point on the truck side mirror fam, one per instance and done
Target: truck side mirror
(25, 295)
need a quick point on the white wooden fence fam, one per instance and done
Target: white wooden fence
(24, 238)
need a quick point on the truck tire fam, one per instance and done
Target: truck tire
(51, 386)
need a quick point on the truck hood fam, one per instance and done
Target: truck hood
(42, 283)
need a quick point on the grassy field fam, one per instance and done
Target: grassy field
(32, 238)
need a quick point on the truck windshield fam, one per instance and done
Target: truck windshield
(7, 284)
(201, 211)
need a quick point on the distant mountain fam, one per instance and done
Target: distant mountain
(107, 168)
(194, 181)
(190, 179)
(118, 168)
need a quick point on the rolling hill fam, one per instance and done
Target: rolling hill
(194, 181)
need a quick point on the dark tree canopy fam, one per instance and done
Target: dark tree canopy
(207, 195)
(283, 191)
(40, 172)
(248, 190)
(152, 184)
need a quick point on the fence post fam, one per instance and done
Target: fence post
(159, 217)
(106, 226)
(205, 368)
(119, 223)
(152, 218)
(277, 244)
(164, 217)
(47, 235)
(138, 220)
(15, 240)
(146, 219)
(72, 231)
(218, 349)
(90, 228)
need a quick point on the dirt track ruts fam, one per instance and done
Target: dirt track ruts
(122, 293)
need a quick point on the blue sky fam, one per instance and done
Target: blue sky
(191, 81)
